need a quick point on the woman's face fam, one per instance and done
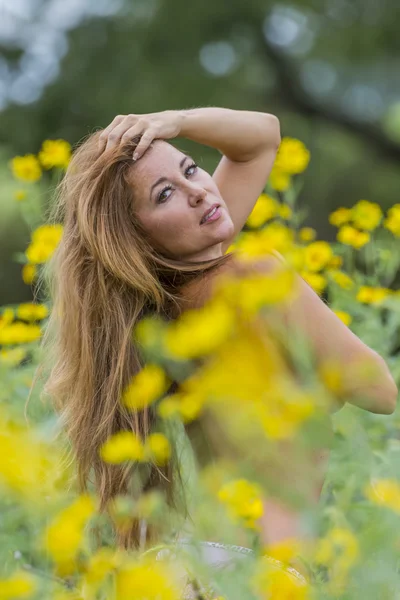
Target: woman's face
(170, 210)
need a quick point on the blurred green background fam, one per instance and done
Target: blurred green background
(327, 68)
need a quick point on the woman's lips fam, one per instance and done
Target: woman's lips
(214, 217)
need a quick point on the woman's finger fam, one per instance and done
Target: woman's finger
(145, 141)
(104, 134)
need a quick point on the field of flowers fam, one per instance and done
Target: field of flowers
(48, 545)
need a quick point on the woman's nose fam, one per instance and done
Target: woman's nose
(196, 193)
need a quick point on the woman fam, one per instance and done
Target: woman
(137, 241)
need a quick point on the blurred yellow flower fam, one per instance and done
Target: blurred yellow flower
(145, 387)
(384, 492)
(29, 273)
(243, 500)
(307, 234)
(98, 566)
(371, 295)
(27, 168)
(292, 157)
(44, 241)
(366, 215)
(343, 316)
(340, 216)
(122, 446)
(332, 375)
(285, 212)
(265, 209)
(252, 292)
(18, 585)
(64, 537)
(19, 333)
(200, 331)
(157, 448)
(317, 255)
(336, 262)
(20, 195)
(315, 280)
(392, 222)
(187, 406)
(275, 582)
(342, 279)
(352, 237)
(279, 180)
(285, 550)
(12, 357)
(339, 548)
(146, 580)
(6, 317)
(48, 234)
(32, 312)
(55, 153)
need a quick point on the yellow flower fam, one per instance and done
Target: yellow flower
(122, 446)
(371, 295)
(285, 212)
(64, 537)
(32, 312)
(307, 234)
(366, 215)
(6, 317)
(340, 216)
(274, 582)
(187, 406)
(279, 180)
(317, 255)
(384, 492)
(146, 580)
(19, 333)
(55, 153)
(352, 237)
(284, 550)
(48, 234)
(342, 279)
(243, 500)
(200, 331)
(19, 585)
(145, 387)
(252, 292)
(292, 157)
(265, 209)
(343, 316)
(336, 262)
(284, 410)
(20, 195)
(99, 564)
(26, 168)
(44, 241)
(392, 222)
(275, 236)
(317, 281)
(12, 357)
(29, 273)
(332, 375)
(339, 549)
(157, 448)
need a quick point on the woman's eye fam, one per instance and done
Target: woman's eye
(193, 165)
(169, 187)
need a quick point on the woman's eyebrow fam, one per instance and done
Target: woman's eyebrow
(162, 179)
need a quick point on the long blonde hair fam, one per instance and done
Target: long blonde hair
(103, 277)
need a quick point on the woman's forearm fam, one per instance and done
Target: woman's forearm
(238, 134)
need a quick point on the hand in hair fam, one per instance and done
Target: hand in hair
(159, 125)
